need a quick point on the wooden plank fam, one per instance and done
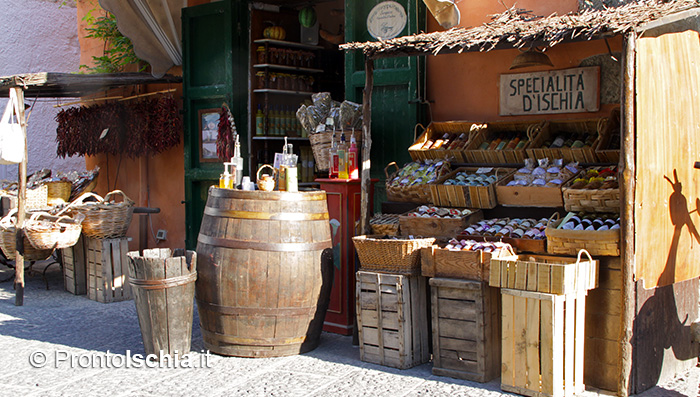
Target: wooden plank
(457, 329)
(569, 343)
(435, 320)
(532, 345)
(558, 353)
(547, 346)
(390, 320)
(520, 324)
(457, 310)
(507, 341)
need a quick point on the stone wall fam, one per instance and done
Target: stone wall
(39, 36)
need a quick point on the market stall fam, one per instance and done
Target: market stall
(653, 270)
(56, 85)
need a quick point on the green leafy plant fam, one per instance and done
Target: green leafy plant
(118, 50)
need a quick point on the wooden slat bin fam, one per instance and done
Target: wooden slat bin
(542, 343)
(74, 269)
(392, 319)
(107, 269)
(436, 227)
(464, 265)
(466, 329)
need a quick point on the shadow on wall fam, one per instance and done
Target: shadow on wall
(657, 326)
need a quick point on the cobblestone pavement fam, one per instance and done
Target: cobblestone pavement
(59, 327)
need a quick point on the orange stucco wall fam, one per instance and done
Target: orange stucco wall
(465, 86)
(153, 181)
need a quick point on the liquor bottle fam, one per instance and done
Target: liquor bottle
(259, 122)
(353, 170)
(237, 161)
(333, 151)
(342, 158)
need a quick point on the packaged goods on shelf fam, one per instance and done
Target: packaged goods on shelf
(599, 234)
(524, 234)
(468, 187)
(411, 183)
(437, 222)
(537, 184)
(595, 189)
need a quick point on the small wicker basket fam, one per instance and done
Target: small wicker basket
(395, 256)
(590, 200)
(8, 232)
(103, 218)
(51, 232)
(58, 192)
(321, 143)
(385, 224)
(569, 242)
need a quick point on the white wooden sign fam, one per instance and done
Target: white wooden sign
(386, 20)
(574, 90)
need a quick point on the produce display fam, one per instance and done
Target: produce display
(591, 222)
(597, 179)
(419, 172)
(471, 245)
(275, 33)
(570, 140)
(544, 173)
(526, 228)
(447, 142)
(425, 211)
(469, 178)
(507, 141)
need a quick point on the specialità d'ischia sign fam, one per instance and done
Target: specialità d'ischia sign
(573, 90)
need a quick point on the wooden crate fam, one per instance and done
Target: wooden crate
(554, 128)
(528, 196)
(436, 227)
(493, 130)
(569, 242)
(544, 273)
(107, 269)
(74, 268)
(519, 244)
(436, 130)
(466, 329)
(542, 343)
(392, 319)
(464, 265)
(467, 196)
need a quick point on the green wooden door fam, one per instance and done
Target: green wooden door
(399, 84)
(215, 70)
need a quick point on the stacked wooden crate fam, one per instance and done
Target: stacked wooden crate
(107, 269)
(74, 268)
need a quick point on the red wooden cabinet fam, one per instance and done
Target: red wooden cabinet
(344, 196)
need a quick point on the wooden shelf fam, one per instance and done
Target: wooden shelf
(287, 68)
(282, 92)
(289, 44)
(278, 138)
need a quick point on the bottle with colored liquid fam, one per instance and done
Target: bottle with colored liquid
(342, 158)
(259, 122)
(353, 171)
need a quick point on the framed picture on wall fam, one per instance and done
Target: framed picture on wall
(208, 132)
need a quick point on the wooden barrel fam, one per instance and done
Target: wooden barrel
(259, 289)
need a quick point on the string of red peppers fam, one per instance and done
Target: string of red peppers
(226, 137)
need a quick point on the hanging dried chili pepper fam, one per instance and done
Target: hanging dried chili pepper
(226, 137)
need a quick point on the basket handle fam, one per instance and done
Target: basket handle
(532, 130)
(583, 251)
(79, 201)
(415, 131)
(125, 198)
(510, 250)
(35, 216)
(553, 218)
(9, 219)
(262, 167)
(386, 169)
(602, 124)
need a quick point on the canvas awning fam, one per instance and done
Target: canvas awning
(154, 28)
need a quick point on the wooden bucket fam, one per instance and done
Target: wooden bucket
(162, 283)
(263, 287)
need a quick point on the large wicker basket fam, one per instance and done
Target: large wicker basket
(388, 255)
(58, 192)
(494, 130)
(36, 197)
(590, 200)
(569, 242)
(321, 143)
(104, 218)
(47, 232)
(8, 232)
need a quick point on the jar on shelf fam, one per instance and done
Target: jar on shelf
(274, 81)
(262, 54)
(261, 77)
(274, 56)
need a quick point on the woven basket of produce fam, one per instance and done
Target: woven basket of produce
(321, 143)
(445, 139)
(385, 224)
(571, 140)
(502, 142)
(47, 232)
(8, 232)
(390, 255)
(411, 183)
(105, 217)
(595, 189)
(468, 187)
(599, 234)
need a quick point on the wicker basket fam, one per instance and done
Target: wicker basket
(435, 131)
(389, 255)
(77, 191)
(419, 193)
(321, 143)
(553, 128)
(492, 131)
(52, 232)
(36, 197)
(569, 242)
(8, 232)
(104, 218)
(58, 192)
(611, 131)
(385, 224)
(590, 200)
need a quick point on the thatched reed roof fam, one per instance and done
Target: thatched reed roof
(516, 28)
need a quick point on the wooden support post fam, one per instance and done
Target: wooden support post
(366, 144)
(627, 184)
(143, 201)
(21, 198)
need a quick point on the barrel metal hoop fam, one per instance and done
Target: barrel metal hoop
(163, 283)
(257, 246)
(267, 196)
(274, 216)
(236, 340)
(257, 311)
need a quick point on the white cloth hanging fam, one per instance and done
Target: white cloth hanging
(154, 28)
(11, 134)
